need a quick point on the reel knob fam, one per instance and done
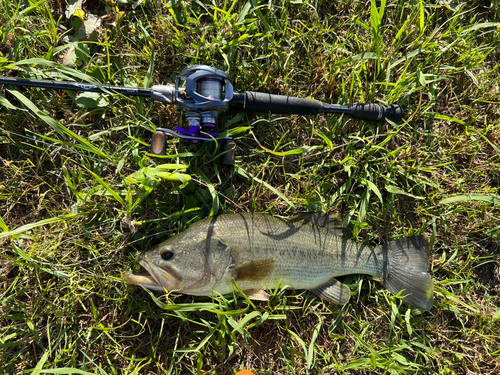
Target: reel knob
(158, 143)
(229, 151)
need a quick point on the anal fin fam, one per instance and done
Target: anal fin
(333, 291)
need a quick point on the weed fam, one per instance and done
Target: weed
(80, 195)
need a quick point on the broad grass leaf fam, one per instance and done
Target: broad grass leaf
(296, 151)
(4, 102)
(397, 190)
(240, 327)
(244, 11)
(327, 140)
(373, 188)
(64, 370)
(182, 306)
(260, 16)
(489, 198)
(168, 172)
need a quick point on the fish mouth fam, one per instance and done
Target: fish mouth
(163, 278)
(144, 279)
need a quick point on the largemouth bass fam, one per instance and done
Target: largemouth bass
(260, 252)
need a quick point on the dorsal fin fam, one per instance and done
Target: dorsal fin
(332, 223)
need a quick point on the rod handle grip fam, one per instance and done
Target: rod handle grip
(377, 112)
(280, 104)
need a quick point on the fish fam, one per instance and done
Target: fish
(258, 252)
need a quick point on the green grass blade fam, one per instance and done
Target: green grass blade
(3, 226)
(185, 307)
(396, 190)
(34, 263)
(83, 144)
(244, 11)
(160, 172)
(213, 193)
(493, 146)
(63, 370)
(299, 341)
(240, 327)
(246, 175)
(311, 350)
(370, 185)
(57, 67)
(260, 16)
(41, 362)
(59, 128)
(421, 16)
(4, 102)
(108, 188)
(489, 198)
(32, 107)
(28, 227)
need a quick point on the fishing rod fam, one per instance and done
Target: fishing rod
(201, 93)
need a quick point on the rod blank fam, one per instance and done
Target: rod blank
(74, 86)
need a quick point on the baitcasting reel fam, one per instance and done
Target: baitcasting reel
(201, 93)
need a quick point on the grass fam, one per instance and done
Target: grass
(76, 206)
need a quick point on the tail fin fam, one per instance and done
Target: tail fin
(407, 269)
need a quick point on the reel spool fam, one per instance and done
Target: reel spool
(206, 92)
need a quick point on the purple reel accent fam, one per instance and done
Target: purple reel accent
(196, 131)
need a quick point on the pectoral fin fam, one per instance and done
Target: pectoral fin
(254, 271)
(256, 294)
(333, 291)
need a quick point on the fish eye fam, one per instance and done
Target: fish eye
(167, 255)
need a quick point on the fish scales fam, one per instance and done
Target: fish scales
(260, 251)
(306, 254)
